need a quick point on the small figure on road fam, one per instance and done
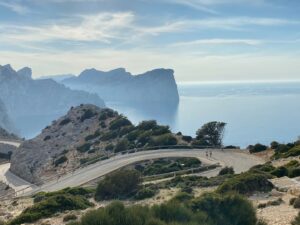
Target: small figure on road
(210, 154)
(206, 154)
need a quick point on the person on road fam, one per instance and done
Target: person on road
(210, 154)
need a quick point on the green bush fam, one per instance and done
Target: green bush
(226, 210)
(147, 125)
(246, 183)
(226, 170)
(257, 148)
(64, 122)
(280, 172)
(121, 146)
(187, 138)
(119, 185)
(92, 136)
(296, 203)
(109, 136)
(88, 114)
(60, 160)
(49, 206)
(165, 139)
(84, 148)
(209, 209)
(119, 122)
(145, 193)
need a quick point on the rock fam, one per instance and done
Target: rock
(35, 103)
(119, 85)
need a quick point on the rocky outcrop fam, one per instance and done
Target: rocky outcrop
(36, 159)
(5, 135)
(84, 135)
(119, 85)
(37, 102)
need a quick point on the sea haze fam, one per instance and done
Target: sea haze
(255, 112)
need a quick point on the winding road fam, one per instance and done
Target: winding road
(240, 160)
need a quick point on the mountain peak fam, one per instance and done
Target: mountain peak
(25, 72)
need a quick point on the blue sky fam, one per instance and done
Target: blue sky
(202, 40)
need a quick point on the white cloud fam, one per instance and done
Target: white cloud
(220, 41)
(15, 7)
(101, 27)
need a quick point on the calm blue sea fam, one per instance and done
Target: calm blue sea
(254, 112)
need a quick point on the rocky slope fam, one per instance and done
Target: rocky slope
(84, 135)
(119, 85)
(37, 102)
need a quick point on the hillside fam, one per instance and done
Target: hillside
(35, 103)
(86, 133)
(119, 85)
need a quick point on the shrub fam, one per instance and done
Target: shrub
(145, 193)
(280, 172)
(87, 115)
(165, 139)
(92, 136)
(274, 145)
(84, 148)
(294, 172)
(69, 217)
(226, 170)
(257, 148)
(64, 122)
(119, 185)
(109, 147)
(147, 125)
(296, 203)
(50, 206)
(246, 183)
(226, 210)
(121, 146)
(109, 136)
(60, 160)
(119, 122)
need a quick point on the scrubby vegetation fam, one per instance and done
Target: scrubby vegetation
(257, 148)
(209, 209)
(50, 204)
(161, 166)
(119, 185)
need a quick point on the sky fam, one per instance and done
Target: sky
(202, 40)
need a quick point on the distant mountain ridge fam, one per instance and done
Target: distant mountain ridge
(158, 85)
(24, 97)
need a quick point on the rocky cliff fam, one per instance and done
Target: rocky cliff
(5, 122)
(119, 85)
(37, 102)
(84, 135)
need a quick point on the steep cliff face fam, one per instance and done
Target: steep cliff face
(38, 101)
(118, 85)
(5, 122)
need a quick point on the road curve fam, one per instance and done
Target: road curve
(239, 160)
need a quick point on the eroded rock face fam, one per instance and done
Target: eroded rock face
(5, 122)
(119, 85)
(37, 102)
(35, 159)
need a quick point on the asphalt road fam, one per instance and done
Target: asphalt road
(239, 160)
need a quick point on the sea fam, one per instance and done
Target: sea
(255, 112)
